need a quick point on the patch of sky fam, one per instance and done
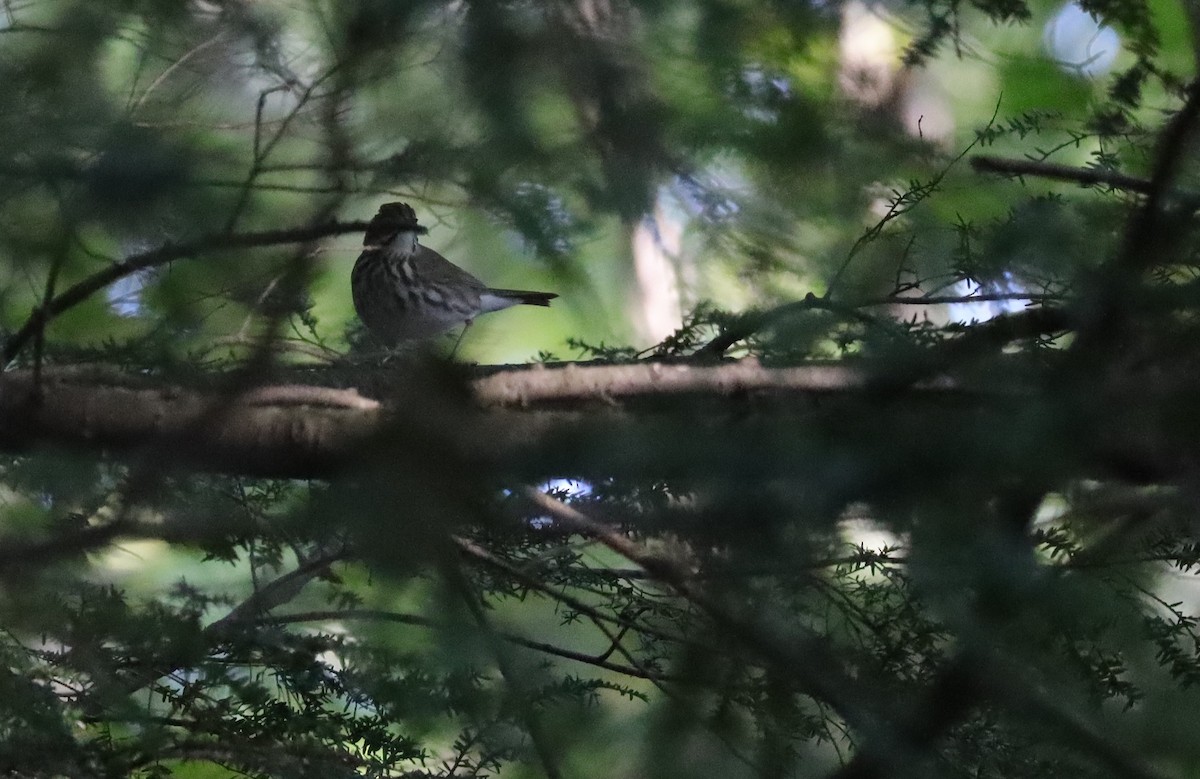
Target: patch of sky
(1008, 287)
(704, 196)
(1080, 43)
(761, 93)
(565, 490)
(125, 294)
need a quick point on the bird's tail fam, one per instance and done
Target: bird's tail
(522, 296)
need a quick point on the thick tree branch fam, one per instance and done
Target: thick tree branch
(278, 431)
(575, 383)
(1153, 236)
(724, 419)
(306, 430)
(1142, 234)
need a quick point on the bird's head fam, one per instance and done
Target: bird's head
(394, 227)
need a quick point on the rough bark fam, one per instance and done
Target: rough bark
(735, 420)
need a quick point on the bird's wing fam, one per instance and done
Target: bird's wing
(437, 269)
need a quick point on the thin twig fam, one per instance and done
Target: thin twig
(600, 661)
(904, 203)
(753, 323)
(473, 550)
(260, 150)
(175, 66)
(39, 337)
(514, 678)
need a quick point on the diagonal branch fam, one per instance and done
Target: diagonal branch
(279, 591)
(802, 655)
(215, 242)
(1143, 230)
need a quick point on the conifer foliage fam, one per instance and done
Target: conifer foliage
(908, 492)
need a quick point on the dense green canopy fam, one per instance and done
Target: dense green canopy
(863, 439)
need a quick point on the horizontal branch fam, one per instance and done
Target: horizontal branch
(276, 431)
(639, 419)
(575, 383)
(1051, 170)
(320, 420)
(752, 323)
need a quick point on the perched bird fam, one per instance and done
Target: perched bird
(405, 292)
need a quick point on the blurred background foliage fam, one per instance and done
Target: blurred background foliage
(866, 586)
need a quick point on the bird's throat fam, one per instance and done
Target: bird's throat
(403, 244)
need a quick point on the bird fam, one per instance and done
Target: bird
(405, 292)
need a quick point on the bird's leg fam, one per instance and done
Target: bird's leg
(466, 327)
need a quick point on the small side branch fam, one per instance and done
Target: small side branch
(217, 242)
(375, 615)
(279, 591)
(1050, 170)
